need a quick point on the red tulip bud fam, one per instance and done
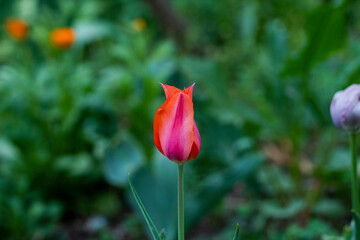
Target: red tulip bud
(175, 133)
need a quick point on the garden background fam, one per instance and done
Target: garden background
(74, 122)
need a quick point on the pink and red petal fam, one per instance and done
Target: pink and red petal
(189, 90)
(180, 141)
(170, 90)
(157, 124)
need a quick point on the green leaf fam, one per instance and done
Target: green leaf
(355, 225)
(161, 206)
(274, 210)
(90, 30)
(329, 207)
(322, 25)
(126, 157)
(353, 74)
(150, 223)
(249, 21)
(332, 238)
(237, 233)
(76, 165)
(8, 151)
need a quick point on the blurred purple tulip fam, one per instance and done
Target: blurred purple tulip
(345, 109)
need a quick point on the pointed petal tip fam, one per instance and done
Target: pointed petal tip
(165, 89)
(189, 90)
(192, 85)
(163, 85)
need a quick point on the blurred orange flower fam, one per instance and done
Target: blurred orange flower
(138, 24)
(16, 28)
(63, 37)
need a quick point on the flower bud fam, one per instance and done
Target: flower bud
(175, 132)
(17, 28)
(63, 37)
(345, 109)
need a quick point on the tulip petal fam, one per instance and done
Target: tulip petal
(157, 124)
(180, 136)
(162, 122)
(189, 90)
(170, 90)
(195, 149)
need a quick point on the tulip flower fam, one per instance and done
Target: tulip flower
(345, 113)
(63, 37)
(177, 137)
(17, 28)
(345, 109)
(175, 132)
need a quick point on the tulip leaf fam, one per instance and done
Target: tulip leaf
(237, 233)
(126, 157)
(162, 205)
(150, 223)
(355, 225)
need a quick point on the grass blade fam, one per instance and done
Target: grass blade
(150, 223)
(237, 233)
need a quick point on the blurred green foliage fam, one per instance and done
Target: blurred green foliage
(75, 122)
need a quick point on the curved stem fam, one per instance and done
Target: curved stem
(181, 235)
(354, 179)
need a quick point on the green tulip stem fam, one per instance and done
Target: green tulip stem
(181, 235)
(354, 179)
